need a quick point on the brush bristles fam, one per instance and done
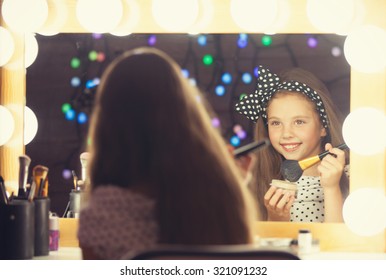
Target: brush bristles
(40, 170)
(24, 159)
(84, 156)
(291, 170)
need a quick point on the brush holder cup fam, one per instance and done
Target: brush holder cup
(75, 205)
(42, 236)
(17, 230)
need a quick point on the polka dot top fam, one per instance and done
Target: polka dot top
(117, 221)
(309, 203)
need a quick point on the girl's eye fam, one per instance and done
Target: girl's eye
(299, 122)
(274, 123)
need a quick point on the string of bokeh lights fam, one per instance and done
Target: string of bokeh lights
(225, 82)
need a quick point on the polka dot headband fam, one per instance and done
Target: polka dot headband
(255, 105)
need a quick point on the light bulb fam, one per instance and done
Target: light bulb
(130, 18)
(31, 49)
(205, 17)
(57, 17)
(25, 15)
(364, 131)
(284, 13)
(364, 49)
(331, 16)
(7, 46)
(244, 14)
(99, 16)
(7, 125)
(30, 125)
(340, 17)
(175, 15)
(364, 211)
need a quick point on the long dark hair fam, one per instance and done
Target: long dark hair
(150, 133)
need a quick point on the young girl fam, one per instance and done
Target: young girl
(297, 115)
(159, 172)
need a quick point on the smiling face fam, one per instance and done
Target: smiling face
(294, 126)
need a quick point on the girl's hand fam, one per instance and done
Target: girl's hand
(331, 167)
(245, 164)
(278, 203)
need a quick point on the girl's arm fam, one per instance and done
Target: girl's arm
(331, 169)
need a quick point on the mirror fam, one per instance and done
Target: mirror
(365, 90)
(68, 66)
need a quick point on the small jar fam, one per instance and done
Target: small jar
(286, 186)
(54, 232)
(304, 241)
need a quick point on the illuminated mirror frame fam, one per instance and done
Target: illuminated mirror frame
(366, 90)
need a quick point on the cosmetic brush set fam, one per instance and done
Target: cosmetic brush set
(291, 170)
(36, 188)
(24, 217)
(75, 202)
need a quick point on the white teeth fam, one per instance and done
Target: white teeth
(290, 146)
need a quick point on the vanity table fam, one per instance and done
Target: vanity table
(336, 241)
(74, 253)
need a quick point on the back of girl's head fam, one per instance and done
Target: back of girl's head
(137, 104)
(150, 130)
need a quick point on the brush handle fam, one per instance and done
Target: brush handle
(32, 191)
(84, 161)
(250, 147)
(24, 162)
(341, 146)
(3, 194)
(39, 174)
(308, 162)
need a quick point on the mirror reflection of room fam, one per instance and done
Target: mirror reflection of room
(223, 66)
(295, 111)
(65, 76)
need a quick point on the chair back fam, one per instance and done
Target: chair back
(215, 252)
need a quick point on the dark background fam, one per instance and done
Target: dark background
(59, 142)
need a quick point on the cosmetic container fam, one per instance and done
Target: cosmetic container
(304, 241)
(75, 205)
(54, 232)
(285, 186)
(42, 211)
(17, 230)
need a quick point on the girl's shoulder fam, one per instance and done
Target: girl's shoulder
(111, 198)
(119, 193)
(116, 220)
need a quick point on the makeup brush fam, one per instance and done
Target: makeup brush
(3, 192)
(250, 147)
(24, 162)
(32, 191)
(75, 178)
(292, 170)
(83, 161)
(39, 172)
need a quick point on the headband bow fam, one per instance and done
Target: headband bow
(255, 105)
